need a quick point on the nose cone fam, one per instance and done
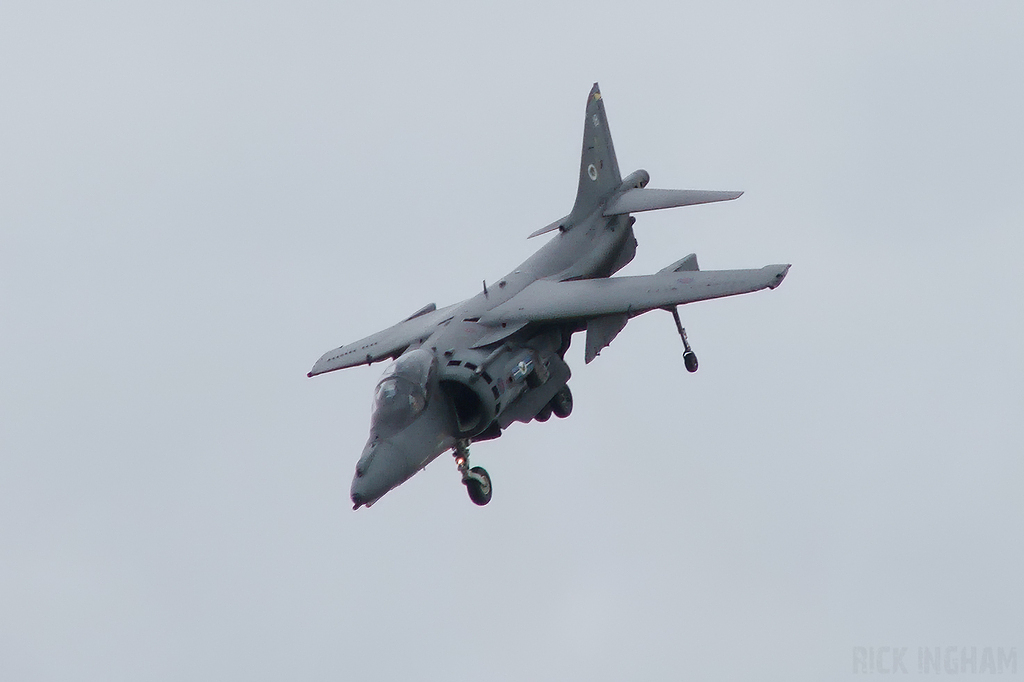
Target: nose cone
(380, 468)
(389, 460)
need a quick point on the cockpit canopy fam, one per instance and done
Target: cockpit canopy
(403, 391)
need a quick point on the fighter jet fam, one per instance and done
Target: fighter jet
(464, 373)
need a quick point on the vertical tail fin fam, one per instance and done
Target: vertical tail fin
(599, 170)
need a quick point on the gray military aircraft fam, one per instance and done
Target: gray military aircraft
(464, 373)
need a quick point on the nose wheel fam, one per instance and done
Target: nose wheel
(689, 357)
(476, 480)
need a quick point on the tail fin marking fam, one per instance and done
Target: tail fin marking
(599, 169)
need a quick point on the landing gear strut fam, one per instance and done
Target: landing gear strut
(689, 357)
(476, 480)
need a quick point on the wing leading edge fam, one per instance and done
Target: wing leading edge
(388, 343)
(546, 300)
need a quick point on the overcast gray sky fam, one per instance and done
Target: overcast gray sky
(197, 199)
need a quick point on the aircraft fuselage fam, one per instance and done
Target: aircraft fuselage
(593, 249)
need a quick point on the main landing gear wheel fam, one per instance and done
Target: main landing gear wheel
(561, 404)
(476, 480)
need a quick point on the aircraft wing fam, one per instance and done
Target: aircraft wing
(546, 300)
(389, 343)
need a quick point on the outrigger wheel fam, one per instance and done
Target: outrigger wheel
(690, 360)
(689, 357)
(476, 480)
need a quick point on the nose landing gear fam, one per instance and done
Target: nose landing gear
(689, 357)
(476, 480)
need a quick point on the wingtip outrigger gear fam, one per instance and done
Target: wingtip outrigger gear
(689, 357)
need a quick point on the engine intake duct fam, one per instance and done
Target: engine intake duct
(471, 415)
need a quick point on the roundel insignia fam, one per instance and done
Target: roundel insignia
(592, 172)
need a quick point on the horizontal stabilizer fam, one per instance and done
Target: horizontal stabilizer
(558, 224)
(643, 199)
